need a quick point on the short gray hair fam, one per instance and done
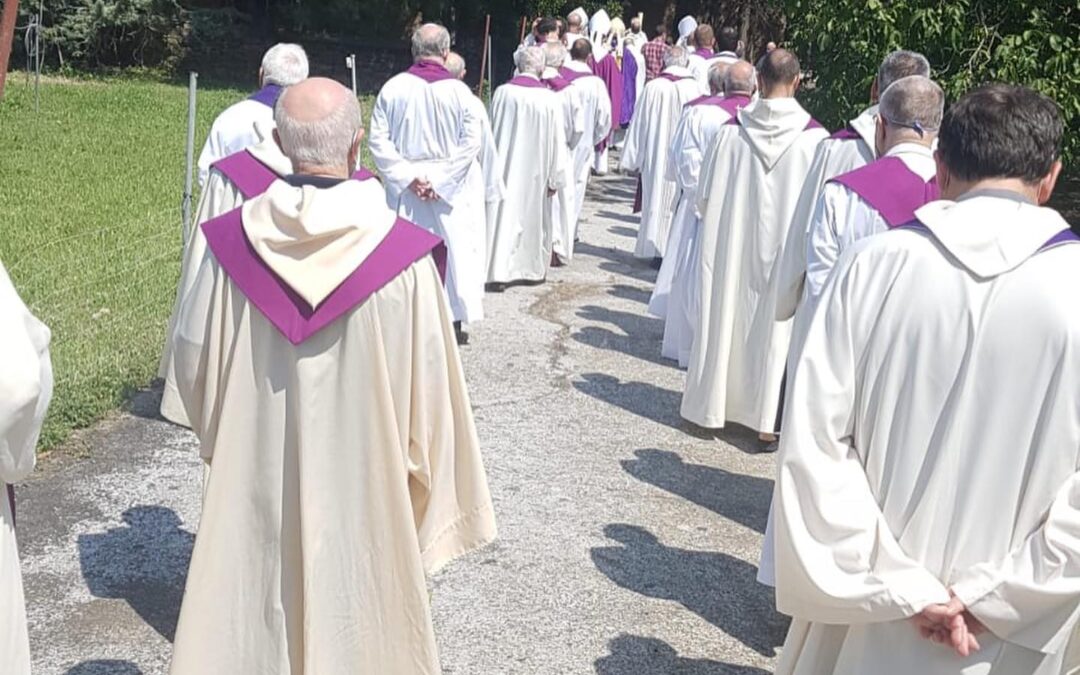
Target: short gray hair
(322, 142)
(430, 40)
(915, 102)
(531, 61)
(677, 56)
(736, 84)
(554, 54)
(455, 64)
(718, 75)
(899, 64)
(284, 64)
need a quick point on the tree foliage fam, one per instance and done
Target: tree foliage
(968, 42)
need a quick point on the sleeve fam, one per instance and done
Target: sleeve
(211, 152)
(396, 172)
(1033, 598)
(26, 383)
(603, 117)
(632, 155)
(447, 483)
(447, 177)
(837, 561)
(791, 270)
(559, 167)
(577, 125)
(707, 172)
(822, 244)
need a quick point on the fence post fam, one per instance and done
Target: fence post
(350, 61)
(185, 204)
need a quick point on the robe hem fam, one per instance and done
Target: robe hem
(445, 547)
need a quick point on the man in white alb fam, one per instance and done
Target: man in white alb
(597, 117)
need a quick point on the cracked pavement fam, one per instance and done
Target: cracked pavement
(628, 540)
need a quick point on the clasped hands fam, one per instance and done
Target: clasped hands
(421, 187)
(951, 625)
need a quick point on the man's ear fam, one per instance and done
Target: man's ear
(260, 77)
(874, 93)
(1048, 183)
(798, 83)
(944, 178)
(354, 151)
(879, 135)
(277, 140)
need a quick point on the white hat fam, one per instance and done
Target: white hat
(687, 26)
(599, 29)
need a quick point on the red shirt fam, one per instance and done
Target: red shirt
(654, 52)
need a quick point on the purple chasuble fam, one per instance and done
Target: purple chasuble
(891, 188)
(252, 178)
(608, 71)
(526, 81)
(282, 306)
(705, 53)
(429, 71)
(571, 75)
(846, 134)
(629, 90)
(557, 83)
(268, 95)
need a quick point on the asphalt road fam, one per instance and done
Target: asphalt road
(628, 540)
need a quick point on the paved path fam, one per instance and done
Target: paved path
(628, 541)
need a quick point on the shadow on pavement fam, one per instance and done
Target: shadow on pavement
(105, 667)
(618, 262)
(638, 335)
(740, 498)
(144, 563)
(635, 655)
(628, 218)
(621, 231)
(717, 587)
(640, 398)
(624, 292)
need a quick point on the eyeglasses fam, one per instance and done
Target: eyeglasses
(919, 129)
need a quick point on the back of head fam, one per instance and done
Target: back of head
(554, 54)
(455, 64)
(778, 68)
(1001, 131)
(547, 25)
(661, 30)
(676, 57)
(430, 41)
(901, 64)
(618, 27)
(740, 78)
(318, 122)
(717, 75)
(914, 103)
(575, 23)
(635, 25)
(704, 37)
(531, 61)
(581, 50)
(284, 65)
(728, 40)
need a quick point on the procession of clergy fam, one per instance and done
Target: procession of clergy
(902, 319)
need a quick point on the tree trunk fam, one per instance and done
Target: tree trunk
(744, 31)
(7, 37)
(670, 7)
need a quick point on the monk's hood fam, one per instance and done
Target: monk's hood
(314, 238)
(269, 152)
(991, 232)
(866, 125)
(772, 125)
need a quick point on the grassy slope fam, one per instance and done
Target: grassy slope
(90, 227)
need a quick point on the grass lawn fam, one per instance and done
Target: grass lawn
(90, 227)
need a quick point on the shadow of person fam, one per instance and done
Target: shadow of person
(635, 655)
(143, 563)
(717, 587)
(104, 667)
(634, 293)
(638, 336)
(743, 499)
(618, 262)
(640, 398)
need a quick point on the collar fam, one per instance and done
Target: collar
(909, 149)
(678, 71)
(320, 182)
(997, 194)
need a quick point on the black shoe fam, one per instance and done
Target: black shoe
(495, 287)
(462, 336)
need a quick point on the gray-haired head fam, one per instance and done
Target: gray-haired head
(914, 106)
(900, 64)
(455, 64)
(430, 41)
(741, 78)
(531, 61)
(318, 124)
(284, 64)
(677, 56)
(554, 54)
(717, 74)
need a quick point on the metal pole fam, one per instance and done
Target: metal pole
(484, 55)
(185, 204)
(350, 61)
(37, 59)
(491, 73)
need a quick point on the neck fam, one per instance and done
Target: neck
(323, 171)
(782, 91)
(737, 93)
(927, 141)
(431, 59)
(957, 188)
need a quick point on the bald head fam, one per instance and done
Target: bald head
(581, 50)
(740, 79)
(778, 74)
(319, 127)
(430, 42)
(456, 65)
(910, 112)
(704, 37)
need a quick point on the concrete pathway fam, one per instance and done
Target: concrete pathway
(628, 541)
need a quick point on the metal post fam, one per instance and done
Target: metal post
(37, 59)
(185, 204)
(491, 72)
(350, 63)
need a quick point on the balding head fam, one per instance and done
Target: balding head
(910, 112)
(531, 61)
(740, 79)
(677, 57)
(554, 55)
(581, 50)
(898, 65)
(778, 74)
(456, 65)
(319, 127)
(704, 37)
(717, 73)
(430, 42)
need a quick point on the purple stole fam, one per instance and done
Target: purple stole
(846, 134)
(608, 71)
(729, 104)
(526, 81)
(268, 95)
(891, 188)
(557, 83)
(252, 178)
(705, 53)
(629, 91)
(674, 78)
(571, 75)
(429, 71)
(282, 306)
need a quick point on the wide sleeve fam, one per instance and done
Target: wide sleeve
(559, 159)
(791, 269)
(836, 559)
(633, 154)
(448, 177)
(822, 243)
(1033, 598)
(447, 483)
(397, 173)
(603, 117)
(26, 383)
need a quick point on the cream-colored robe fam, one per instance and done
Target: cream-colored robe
(25, 390)
(749, 185)
(218, 197)
(560, 215)
(344, 468)
(932, 441)
(597, 114)
(648, 141)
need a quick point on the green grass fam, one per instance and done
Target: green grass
(90, 227)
